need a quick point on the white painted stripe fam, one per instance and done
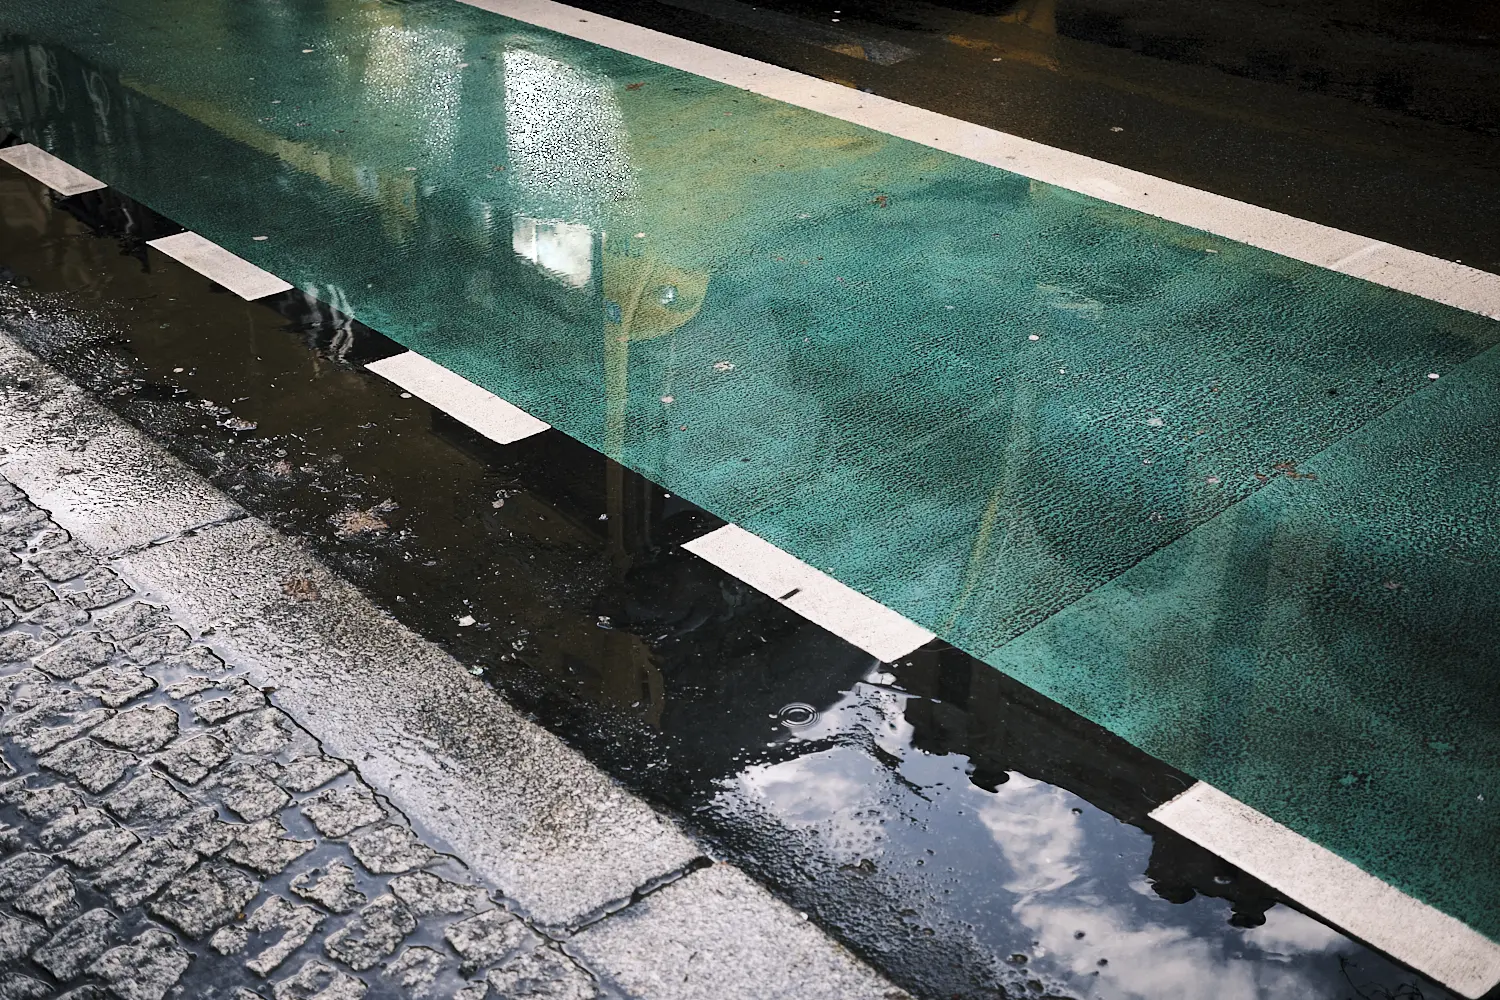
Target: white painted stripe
(456, 396)
(62, 177)
(811, 593)
(1407, 270)
(217, 264)
(1426, 939)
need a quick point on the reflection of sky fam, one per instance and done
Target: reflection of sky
(1029, 870)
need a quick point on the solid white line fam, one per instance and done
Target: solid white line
(456, 396)
(811, 593)
(1426, 939)
(62, 177)
(1407, 270)
(217, 264)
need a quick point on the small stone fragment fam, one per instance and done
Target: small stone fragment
(230, 940)
(202, 832)
(133, 619)
(70, 826)
(264, 847)
(143, 872)
(189, 686)
(77, 944)
(145, 969)
(75, 657)
(116, 685)
(266, 731)
(63, 562)
(52, 900)
(377, 931)
(141, 729)
(335, 891)
(204, 899)
(20, 872)
(340, 811)
(428, 895)
(542, 974)
(416, 970)
(98, 588)
(321, 981)
(487, 936)
(390, 849)
(243, 698)
(94, 767)
(297, 923)
(18, 937)
(306, 773)
(148, 799)
(99, 848)
(40, 741)
(249, 788)
(191, 760)
(153, 646)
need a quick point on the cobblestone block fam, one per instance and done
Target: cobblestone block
(416, 971)
(17, 647)
(133, 619)
(58, 617)
(114, 686)
(337, 812)
(77, 944)
(474, 991)
(154, 646)
(263, 732)
(7, 617)
(375, 932)
(230, 940)
(428, 895)
(41, 805)
(265, 847)
(390, 849)
(37, 705)
(18, 937)
(306, 773)
(336, 891)
(145, 969)
(249, 788)
(75, 657)
(143, 729)
(204, 899)
(243, 697)
(63, 562)
(94, 850)
(10, 839)
(91, 765)
(297, 924)
(90, 992)
(198, 659)
(53, 900)
(147, 799)
(487, 936)
(71, 825)
(40, 741)
(192, 759)
(202, 832)
(188, 686)
(18, 987)
(25, 587)
(542, 974)
(20, 872)
(143, 872)
(320, 980)
(99, 588)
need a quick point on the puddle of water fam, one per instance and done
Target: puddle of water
(959, 830)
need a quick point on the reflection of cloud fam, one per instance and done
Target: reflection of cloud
(1037, 831)
(562, 249)
(1291, 932)
(837, 793)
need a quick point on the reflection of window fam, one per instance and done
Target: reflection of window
(565, 250)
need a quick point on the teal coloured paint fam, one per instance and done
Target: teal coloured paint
(826, 334)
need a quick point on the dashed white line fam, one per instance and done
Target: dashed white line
(811, 593)
(1409, 930)
(217, 264)
(456, 396)
(1407, 270)
(62, 177)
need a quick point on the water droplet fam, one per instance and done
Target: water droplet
(797, 715)
(466, 621)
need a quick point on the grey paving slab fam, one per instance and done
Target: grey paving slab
(716, 934)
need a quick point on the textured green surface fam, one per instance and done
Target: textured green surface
(824, 334)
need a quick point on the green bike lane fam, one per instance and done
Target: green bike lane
(1203, 494)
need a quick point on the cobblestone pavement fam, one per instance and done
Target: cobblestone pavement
(166, 831)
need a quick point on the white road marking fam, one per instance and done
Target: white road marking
(811, 593)
(1426, 939)
(456, 396)
(62, 177)
(1406, 270)
(217, 264)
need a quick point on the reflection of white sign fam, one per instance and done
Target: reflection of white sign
(565, 250)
